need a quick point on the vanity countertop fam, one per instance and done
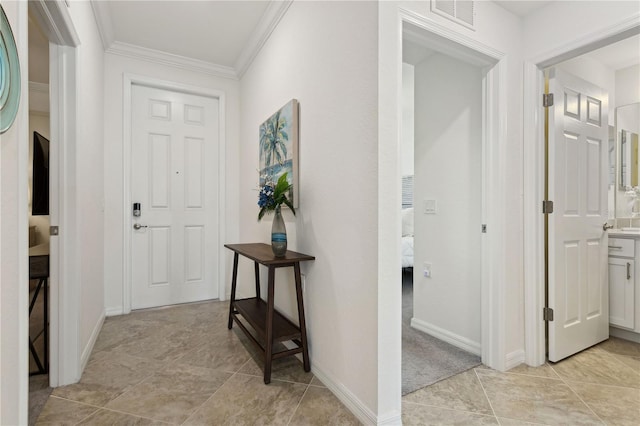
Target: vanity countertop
(625, 232)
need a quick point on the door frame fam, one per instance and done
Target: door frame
(493, 281)
(128, 81)
(494, 137)
(65, 361)
(534, 174)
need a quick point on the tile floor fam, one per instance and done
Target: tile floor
(181, 365)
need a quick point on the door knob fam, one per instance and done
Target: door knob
(606, 226)
(137, 226)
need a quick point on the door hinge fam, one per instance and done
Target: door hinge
(547, 314)
(547, 207)
(484, 228)
(53, 230)
(547, 99)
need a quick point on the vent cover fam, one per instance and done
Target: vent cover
(459, 11)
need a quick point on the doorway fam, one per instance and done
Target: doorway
(38, 210)
(572, 59)
(441, 333)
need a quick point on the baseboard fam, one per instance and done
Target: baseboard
(86, 353)
(357, 407)
(114, 311)
(624, 334)
(514, 359)
(447, 336)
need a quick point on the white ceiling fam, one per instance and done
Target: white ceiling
(223, 33)
(211, 31)
(622, 54)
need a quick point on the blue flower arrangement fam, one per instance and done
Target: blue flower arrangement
(273, 196)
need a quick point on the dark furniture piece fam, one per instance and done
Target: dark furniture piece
(39, 270)
(269, 325)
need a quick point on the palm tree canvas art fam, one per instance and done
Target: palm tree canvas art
(279, 148)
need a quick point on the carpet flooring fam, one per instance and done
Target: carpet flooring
(425, 359)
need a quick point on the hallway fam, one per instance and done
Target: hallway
(180, 365)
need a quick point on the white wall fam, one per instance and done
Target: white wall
(408, 107)
(627, 85)
(38, 122)
(115, 67)
(324, 55)
(448, 164)
(88, 192)
(14, 318)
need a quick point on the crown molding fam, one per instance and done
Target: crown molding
(269, 21)
(163, 58)
(103, 20)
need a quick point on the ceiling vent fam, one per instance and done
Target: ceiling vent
(459, 11)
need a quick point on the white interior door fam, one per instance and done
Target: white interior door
(578, 149)
(174, 160)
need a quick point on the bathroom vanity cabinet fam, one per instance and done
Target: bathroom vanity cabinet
(624, 292)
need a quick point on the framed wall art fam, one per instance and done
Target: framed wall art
(278, 148)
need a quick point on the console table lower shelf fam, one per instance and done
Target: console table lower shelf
(254, 311)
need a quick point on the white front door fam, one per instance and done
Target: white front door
(578, 158)
(174, 158)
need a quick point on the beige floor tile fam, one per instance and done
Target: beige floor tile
(601, 368)
(172, 394)
(619, 346)
(631, 361)
(166, 343)
(460, 392)
(535, 399)
(420, 415)
(614, 405)
(320, 407)
(316, 382)
(246, 400)
(288, 369)
(107, 376)
(112, 418)
(225, 353)
(511, 422)
(542, 371)
(62, 412)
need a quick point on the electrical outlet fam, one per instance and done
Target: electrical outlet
(430, 207)
(304, 283)
(426, 271)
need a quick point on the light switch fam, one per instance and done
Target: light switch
(430, 207)
(427, 270)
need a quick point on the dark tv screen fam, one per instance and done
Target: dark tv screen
(40, 189)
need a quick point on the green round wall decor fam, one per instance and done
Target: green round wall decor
(9, 75)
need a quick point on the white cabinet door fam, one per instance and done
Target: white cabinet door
(621, 292)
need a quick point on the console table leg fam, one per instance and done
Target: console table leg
(268, 349)
(301, 320)
(257, 270)
(234, 280)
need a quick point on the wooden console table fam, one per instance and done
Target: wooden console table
(270, 326)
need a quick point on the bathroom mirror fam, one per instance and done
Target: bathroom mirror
(627, 130)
